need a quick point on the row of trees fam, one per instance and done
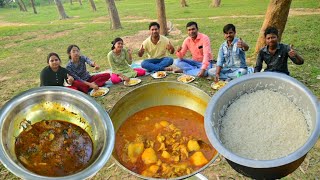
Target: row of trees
(276, 15)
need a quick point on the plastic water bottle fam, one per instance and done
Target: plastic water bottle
(239, 74)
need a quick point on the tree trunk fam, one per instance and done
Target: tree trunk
(23, 5)
(93, 5)
(276, 16)
(80, 2)
(71, 2)
(183, 3)
(162, 20)
(60, 8)
(215, 3)
(33, 6)
(113, 13)
(20, 5)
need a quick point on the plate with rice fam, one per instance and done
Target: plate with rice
(159, 74)
(186, 78)
(218, 85)
(132, 82)
(99, 92)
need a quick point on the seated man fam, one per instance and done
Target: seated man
(156, 46)
(231, 61)
(199, 46)
(276, 54)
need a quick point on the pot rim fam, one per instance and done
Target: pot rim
(89, 171)
(215, 141)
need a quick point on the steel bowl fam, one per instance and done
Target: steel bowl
(295, 91)
(156, 94)
(55, 103)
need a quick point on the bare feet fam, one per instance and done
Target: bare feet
(168, 69)
(178, 71)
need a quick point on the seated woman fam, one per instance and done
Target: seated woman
(77, 68)
(118, 60)
(54, 74)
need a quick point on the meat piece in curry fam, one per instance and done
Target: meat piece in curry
(54, 148)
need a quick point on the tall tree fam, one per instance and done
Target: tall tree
(93, 5)
(277, 16)
(215, 3)
(71, 2)
(61, 11)
(183, 3)
(162, 20)
(113, 14)
(80, 2)
(33, 6)
(21, 5)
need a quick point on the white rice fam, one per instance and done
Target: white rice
(263, 125)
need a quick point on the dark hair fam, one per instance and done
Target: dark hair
(115, 41)
(70, 47)
(227, 27)
(52, 54)
(271, 30)
(192, 23)
(154, 24)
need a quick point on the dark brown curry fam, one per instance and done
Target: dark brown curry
(163, 142)
(54, 148)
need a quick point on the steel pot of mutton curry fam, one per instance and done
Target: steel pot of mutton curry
(160, 131)
(54, 132)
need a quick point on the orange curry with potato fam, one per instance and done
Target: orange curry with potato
(54, 148)
(163, 142)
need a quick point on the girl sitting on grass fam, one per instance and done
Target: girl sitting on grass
(118, 60)
(77, 68)
(54, 74)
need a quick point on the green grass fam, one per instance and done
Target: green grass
(24, 48)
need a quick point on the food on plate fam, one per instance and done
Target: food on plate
(218, 85)
(161, 74)
(99, 92)
(133, 81)
(186, 78)
(54, 148)
(157, 142)
(267, 114)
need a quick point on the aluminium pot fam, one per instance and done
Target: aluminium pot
(156, 94)
(55, 103)
(295, 91)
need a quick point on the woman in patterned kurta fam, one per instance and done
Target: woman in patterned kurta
(118, 60)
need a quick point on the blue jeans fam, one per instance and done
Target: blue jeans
(190, 67)
(156, 64)
(226, 73)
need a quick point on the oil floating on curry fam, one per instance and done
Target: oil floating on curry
(163, 142)
(54, 148)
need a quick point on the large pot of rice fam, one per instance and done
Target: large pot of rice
(264, 124)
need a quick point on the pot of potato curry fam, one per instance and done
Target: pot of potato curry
(159, 131)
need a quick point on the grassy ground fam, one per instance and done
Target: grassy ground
(26, 39)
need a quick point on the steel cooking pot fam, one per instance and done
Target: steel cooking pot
(55, 103)
(155, 94)
(295, 91)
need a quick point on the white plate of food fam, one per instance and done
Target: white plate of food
(132, 82)
(99, 92)
(218, 85)
(159, 74)
(186, 78)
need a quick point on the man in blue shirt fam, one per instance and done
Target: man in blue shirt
(231, 61)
